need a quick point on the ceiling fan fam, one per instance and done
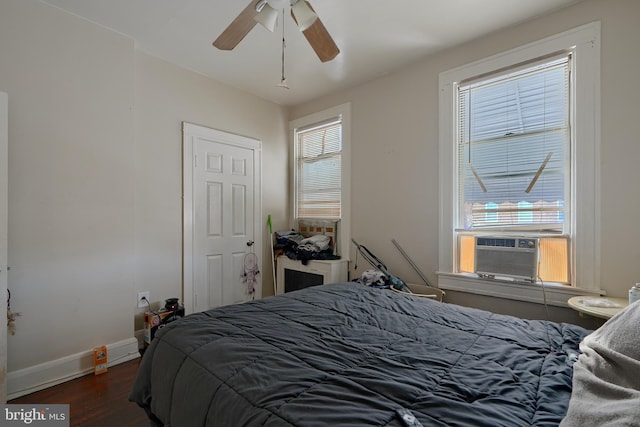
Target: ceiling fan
(266, 13)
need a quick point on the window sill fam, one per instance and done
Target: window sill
(554, 294)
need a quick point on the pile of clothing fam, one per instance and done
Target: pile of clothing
(375, 279)
(298, 247)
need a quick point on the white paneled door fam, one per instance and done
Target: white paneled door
(4, 190)
(222, 217)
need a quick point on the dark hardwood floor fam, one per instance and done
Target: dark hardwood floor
(96, 400)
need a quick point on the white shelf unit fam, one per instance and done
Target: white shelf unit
(293, 274)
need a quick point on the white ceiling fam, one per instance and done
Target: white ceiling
(375, 37)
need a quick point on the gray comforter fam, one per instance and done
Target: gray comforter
(349, 355)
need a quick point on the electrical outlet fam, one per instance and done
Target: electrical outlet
(143, 299)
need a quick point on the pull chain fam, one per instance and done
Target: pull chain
(283, 79)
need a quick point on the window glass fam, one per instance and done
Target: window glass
(319, 165)
(512, 148)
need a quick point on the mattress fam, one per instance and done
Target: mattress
(349, 355)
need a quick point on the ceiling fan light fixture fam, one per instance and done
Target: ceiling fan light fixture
(260, 5)
(267, 17)
(301, 11)
(305, 16)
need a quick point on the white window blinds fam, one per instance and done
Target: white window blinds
(319, 180)
(513, 148)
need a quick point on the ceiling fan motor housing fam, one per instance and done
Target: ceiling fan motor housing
(278, 4)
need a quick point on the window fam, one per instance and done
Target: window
(521, 133)
(513, 147)
(513, 155)
(318, 170)
(320, 178)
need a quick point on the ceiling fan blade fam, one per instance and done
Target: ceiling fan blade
(320, 39)
(238, 29)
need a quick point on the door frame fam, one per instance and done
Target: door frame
(189, 132)
(4, 251)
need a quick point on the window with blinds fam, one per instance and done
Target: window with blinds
(519, 150)
(318, 154)
(513, 148)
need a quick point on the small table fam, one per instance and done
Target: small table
(602, 307)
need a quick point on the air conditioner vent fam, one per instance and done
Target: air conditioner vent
(510, 257)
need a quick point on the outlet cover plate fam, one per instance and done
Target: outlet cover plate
(141, 302)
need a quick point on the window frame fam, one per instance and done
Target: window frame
(584, 43)
(344, 112)
(532, 81)
(303, 162)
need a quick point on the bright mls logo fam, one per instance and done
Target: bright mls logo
(35, 415)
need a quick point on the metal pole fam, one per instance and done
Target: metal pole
(273, 256)
(410, 261)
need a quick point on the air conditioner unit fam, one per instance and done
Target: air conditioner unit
(510, 257)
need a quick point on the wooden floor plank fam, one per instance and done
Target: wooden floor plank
(96, 400)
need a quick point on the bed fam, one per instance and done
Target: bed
(349, 355)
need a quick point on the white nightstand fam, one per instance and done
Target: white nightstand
(602, 307)
(293, 275)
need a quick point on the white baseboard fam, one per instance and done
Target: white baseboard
(48, 374)
(139, 334)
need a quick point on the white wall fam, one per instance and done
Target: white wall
(165, 96)
(71, 212)
(95, 179)
(395, 146)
